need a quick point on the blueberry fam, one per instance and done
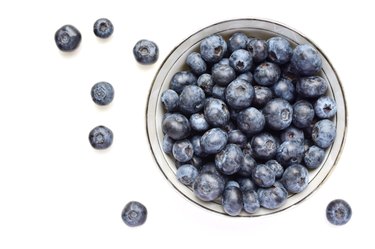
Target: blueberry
(250, 201)
(247, 166)
(191, 99)
(258, 49)
(232, 183)
(290, 152)
(263, 176)
(267, 74)
(197, 162)
(219, 92)
(311, 87)
(210, 168)
(284, 89)
(186, 174)
(246, 184)
(237, 41)
(250, 121)
(325, 107)
(206, 83)
(213, 48)
(278, 114)
(232, 201)
(182, 150)
(324, 133)
(276, 167)
(198, 122)
(273, 197)
(264, 146)
(239, 94)
(338, 212)
(167, 144)
(241, 60)
(176, 126)
(208, 187)
(146, 52)
(182, 79)
(67, 38)
(170, 100)
(214, 140)
(295, 178)
(230, 159)
(216, 112)
(224, 62)
(134, 214)
(279, 50)
(101, 137)
(292, 133)
(197, 148)
(103, 28)
(303, 114)
(248, 76)
(314, 156)
(262, 95)
(222, 75)
(306, 60)
(237, 137)
(102, 93)
(196, 63)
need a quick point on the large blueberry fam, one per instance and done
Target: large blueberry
(222, 74)
(267, 74)
(324, 133)
(241, 60)
(191, 99)
(216, 112)
(314, 156)
(295, 178)
(208, 187)
(182, 150)
(218, 92)
(134, 214)
(258, 49)
(232, 201)
(278, 114)
(279, 50)
(306, 60)
(284, 89)
(213, 48)
(67, 38)
(198, 122)
(250, 121)
(273, 197)
(239, 94)
(262, 95)
(264, 146)
(230, 159)
(237, 41)
(303, 114)
(206, 83)
(250, 201)
(101, 137)
(146, 52)
(311, 87)
(170, 100)
(338, 212)
(325, 107)
(182, 79)
(290, 152)
(176, 126)
(187, 174)
(214, 140)
(263, 176)
(196, 63)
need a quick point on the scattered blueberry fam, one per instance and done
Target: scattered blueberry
(295, 178)
(324, 133)
(103, 28)
(279, 50)
(314, 156)
(232, 201)
(214, 140)
(325, 107)
(267, 74)
(146, 52)
(241, 60)
(208, 187)
(213, 48)
(67, 38)
(196, 63)
(134, 214)
(338, 212)
(230, 159)
(306, 60)
(101, 137)
(102, 93)
(182, 150)
(186, 174)
(278, 114)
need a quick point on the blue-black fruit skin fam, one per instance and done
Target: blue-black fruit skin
(206, 82)
(197, 148)
(182, 150)
(278, 114)
(167, 144)
(250, 201)
(222, 74)
(264, 146)
(214, 140)
(216, 112)
(263, 176)
(67, 38)
(146, 52)
(338, 212)
(232, 201)
(248, 76)
(250, 121)
(101, 137)
(290, 152)
(230, 159)
(176, 126)
(311, 87)
(314, 157)
(246, 184)
(170, 100)
(325, 107)
(241, 60)
(218, 92)
(186, 174)
(303, 114)
(182, 79)
(284, 89)
(247, 167)
(237, 41)
(279, 50)
(258, 49)
(196, 63)
(273, 197)
(134, 214)
(208, 186)
(103, 28)
(102, 93)
(292, 133)
(239, 94)
(213, 48)
(267, 74)
(192, 99)
(276, 167)
(198, 122)
(295, 178)
(324, 133)
(262, 95)
(306, 60)
(237, 137)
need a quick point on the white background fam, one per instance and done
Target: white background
(58, 192)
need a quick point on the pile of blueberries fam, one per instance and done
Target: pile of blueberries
(248, 121)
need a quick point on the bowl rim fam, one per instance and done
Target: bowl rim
(341, 145)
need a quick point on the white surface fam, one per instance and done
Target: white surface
(57, 192)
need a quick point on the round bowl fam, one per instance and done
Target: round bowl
(176, 62)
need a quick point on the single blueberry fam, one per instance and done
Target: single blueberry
(216, 112)
(292, 133)
(247, 166)
(206, 83)
(306, 60)
(250, 201)
(182, 79)
(246, 184)
(167, 144)
(208, 187)
(276, 167)
(222, 74)
(258, 49)
(230, 159)
(248, 76)
(102, 93)
(295, 178)
(191, 99)
(311, 87)
(263, 176)
(278, 114)
(232, 201)
(170, 100)
(176, 126)
(314, 156)
(325, 107)
(237, 41)
(198, 122)
(214, 140)
(197, 148)
(237, 137)
(196, 63)
(338, 212)
(186, 174)
(103, 28)
(219, 92)
(241, 60)
(213, 48)
(146, 52)
(273, 197)
(279, 50)
(267, 74)
(182, 150)
(324, 133)
(134, 214)
(250, 121)
(101, 137)
(67, 38)
(264, 146)
(290, 152)
(303, 114)
(284, 89)
(262, 95)
(239, 94)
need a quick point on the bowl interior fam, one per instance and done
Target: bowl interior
(176, 62)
